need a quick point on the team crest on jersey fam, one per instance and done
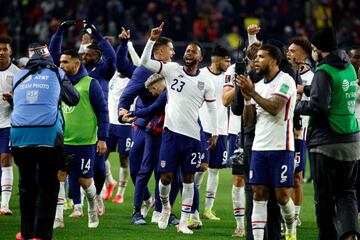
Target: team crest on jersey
(162, 163)
(32, 96)
(201, 85)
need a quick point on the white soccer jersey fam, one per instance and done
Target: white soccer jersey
(306, 78)
(6, 80)
(117, 85)
(185, 95)
(222, 111)
(234, 126)
(275, 132)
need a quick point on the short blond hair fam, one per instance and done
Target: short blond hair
(153, 79)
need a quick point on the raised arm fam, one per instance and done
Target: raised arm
(122, 63)
(56, 41)
(146, 61)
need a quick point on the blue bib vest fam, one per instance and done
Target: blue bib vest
(36, 118)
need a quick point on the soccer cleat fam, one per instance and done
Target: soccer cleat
(239, 232)
(183, 229)
(109, 190)
(146, 207)
(194, 223)
(77, 212)
(5, 211)
(290, 236)
(19, 236)
(118, 199)
(93, 220)
(100, 207)
(137, 219)
(298, 221)
(164, 218)
(173, 220)
(58, 223)
(155, 217)
(68, 204)
(209, 214)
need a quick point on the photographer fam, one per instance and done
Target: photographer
(37, 139)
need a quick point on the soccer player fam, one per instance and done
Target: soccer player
(299, 52)
(119, 138)
(7, 72)
(272, 160)
(86, 129)
(120, 134)
(99, 61)
(220, 61)
(144, 153)
(187, 90)
(234, 128)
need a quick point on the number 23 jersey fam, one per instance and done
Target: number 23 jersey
(185, 95)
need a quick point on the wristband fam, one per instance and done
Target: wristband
(247, 102)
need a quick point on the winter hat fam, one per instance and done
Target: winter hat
(38, 49)
(324, 40)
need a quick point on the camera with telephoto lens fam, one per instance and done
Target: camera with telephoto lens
(237, 159)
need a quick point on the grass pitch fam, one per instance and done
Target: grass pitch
(115, 224)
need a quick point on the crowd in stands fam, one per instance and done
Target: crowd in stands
(202, 20)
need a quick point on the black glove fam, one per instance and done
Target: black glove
(91, 29)
(67, 24)
(88, 27)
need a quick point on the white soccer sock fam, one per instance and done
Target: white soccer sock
(109, 177)
(288, 213)
(60, 202)
(199, 177)
(187, 201)
(196, 215)
(258, 219)
(82, 196)
(238, 198)
(211, 187)
(90, 194)
(124, 174)
(6, 185)
(297, 210)
(164, 191)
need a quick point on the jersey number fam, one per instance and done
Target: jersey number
(87, 164)
(177, 87)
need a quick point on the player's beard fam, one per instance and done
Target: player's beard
(190, 64)
(264, 71)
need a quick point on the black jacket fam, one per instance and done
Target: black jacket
(319, 104)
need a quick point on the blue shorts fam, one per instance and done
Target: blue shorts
(178, 150)
(84, 159)
(300, 155)
(120, 136)
(218, 156)
(272, 168)
(205, 154)
(5, 140)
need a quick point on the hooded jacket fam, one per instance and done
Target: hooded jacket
(320, 102)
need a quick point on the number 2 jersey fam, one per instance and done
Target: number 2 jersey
(275, 132)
